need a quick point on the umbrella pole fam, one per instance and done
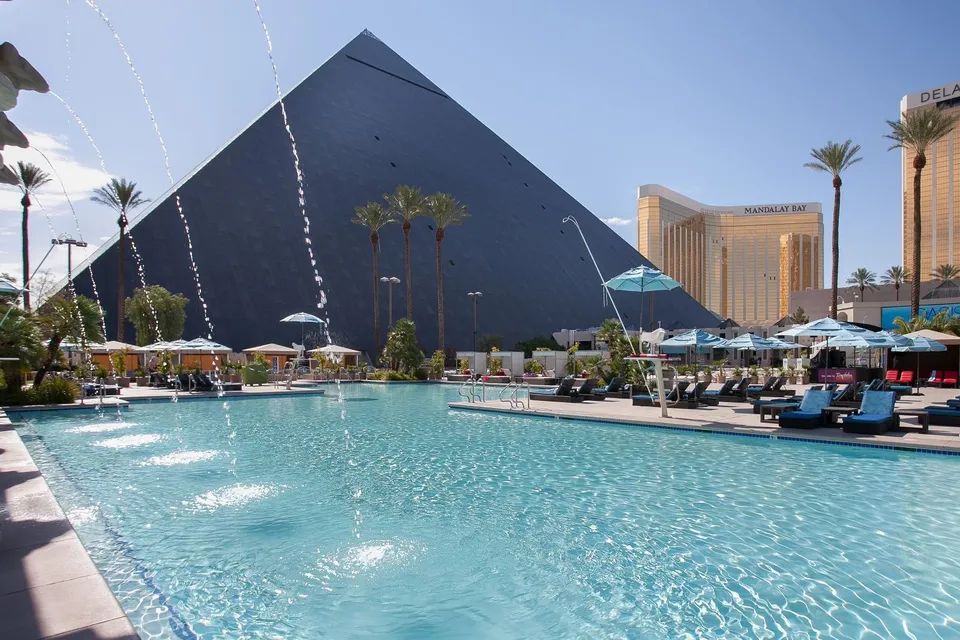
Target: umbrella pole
(662, 395)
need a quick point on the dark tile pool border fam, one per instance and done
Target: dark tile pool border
(718, 432)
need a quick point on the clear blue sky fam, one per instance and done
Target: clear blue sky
(721, 101)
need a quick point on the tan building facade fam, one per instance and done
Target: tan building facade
(939, 187)
(740, 262)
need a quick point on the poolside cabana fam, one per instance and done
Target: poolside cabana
(277, 355)
(101, 353)
(198, 352)
(345, 355)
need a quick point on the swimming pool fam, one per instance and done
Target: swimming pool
(392, 516)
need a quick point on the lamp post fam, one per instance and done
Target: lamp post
(476, 295)
(71, 243)
(390, 282)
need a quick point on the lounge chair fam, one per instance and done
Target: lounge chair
(757, 389)
(892, 376)
(831, 387)
(845, 395)
(935, 379)
(94, 389)
(674, 398)
(737, 394)
(949, 379)
(875, 415)
(809, 413)
(723, 390)
(697, 395)
(226, 386)
(776, 390)
(944, 416)
(587, 390)
(184, 383)
(612, 388)
(200, 382)
(560, 393)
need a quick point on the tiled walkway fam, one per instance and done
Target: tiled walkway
(739, 418)
(49, 587)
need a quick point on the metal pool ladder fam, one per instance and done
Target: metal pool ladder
(471, 393)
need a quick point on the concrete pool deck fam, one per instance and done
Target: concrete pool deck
(738, 418)
(49, 586)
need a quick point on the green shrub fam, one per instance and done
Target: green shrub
(53, 391)
(533, 366)
(436, 363)
(420, 374)
(392, 375)
(402, 352)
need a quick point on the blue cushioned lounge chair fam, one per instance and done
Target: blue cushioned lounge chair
(737, 394)
(557, 394)
(809, 415)
(675, 396)
(875, 415)
(612, 388)
(723, 390)
(587, 390)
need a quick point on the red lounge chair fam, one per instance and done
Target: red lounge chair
(892, 375)
(906, 377)
(935, 379)
(949, 379)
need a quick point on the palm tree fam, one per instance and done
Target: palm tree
(30, 177)
(895, 275)
(123, 197)
(445, 211)
(946, 272)
(863, 279)
(918, 130)
(374, 217)
(406, 203)
(834, 159)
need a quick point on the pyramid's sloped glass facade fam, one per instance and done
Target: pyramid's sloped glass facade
(366, 121)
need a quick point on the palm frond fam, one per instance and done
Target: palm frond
(835, 157)
(406, 202)
(920, 128)
(373, 216)
(445, 210)
(120, 195)
(30, 177)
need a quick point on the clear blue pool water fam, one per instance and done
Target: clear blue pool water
(392, 516)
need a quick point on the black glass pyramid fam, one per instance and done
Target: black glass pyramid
(365, 122)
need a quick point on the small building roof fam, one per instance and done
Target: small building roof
(338, 350)
(273, 348)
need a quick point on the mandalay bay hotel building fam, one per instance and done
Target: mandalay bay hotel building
(740, 262)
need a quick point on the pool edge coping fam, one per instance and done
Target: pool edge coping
(931, 449)
(106, 600)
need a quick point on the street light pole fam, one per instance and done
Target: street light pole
(390, 282)
(71, 243)
(476, 295)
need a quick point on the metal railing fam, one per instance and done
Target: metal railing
(471, 393)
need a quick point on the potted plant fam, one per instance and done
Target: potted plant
(738, 373)
(805, 374)
(767, 373)
(754, 372)
(791, 374)
(436, 364)
(141, 377)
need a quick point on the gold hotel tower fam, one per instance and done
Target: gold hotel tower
(939, 187)
(740, 262)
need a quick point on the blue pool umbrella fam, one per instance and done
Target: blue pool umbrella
(642, 280)
(695, 338)
(865, 340)
(751, 342)
(897, 339)
(303, 318)
(822, 328)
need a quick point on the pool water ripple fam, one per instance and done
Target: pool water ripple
(438, 524)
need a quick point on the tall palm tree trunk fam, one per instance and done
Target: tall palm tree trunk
(918, 164)
(121, 297)
(376, 295)
(439, 290)
(25, 238)
(835, 270)
(406, 260)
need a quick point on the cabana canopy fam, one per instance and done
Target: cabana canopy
(273, 349)
(332, 349)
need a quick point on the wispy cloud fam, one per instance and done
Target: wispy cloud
(79, 180)
(617, 222)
